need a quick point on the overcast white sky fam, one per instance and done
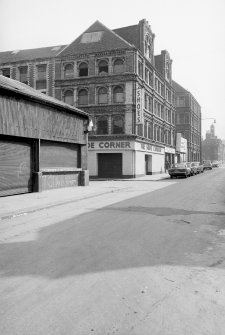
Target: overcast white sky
(193, 31)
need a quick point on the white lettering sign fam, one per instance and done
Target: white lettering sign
(139, 111)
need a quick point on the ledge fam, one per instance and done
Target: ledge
(55, 170)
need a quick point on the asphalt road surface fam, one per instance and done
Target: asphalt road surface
(145, 260)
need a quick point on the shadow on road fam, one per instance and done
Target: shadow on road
(127, 237)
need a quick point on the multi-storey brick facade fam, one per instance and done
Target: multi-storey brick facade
(127, 91)
(188, 121)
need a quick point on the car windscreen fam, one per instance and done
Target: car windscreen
(179, 166)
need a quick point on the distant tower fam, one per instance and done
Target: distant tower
(212, 130)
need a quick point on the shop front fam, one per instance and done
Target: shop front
(124, 159)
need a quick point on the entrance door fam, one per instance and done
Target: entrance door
(148, 164)
(15, 167)
(110, 165)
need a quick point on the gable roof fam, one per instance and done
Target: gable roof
(19, 88)
(30, 54)
(130, 34)
(96, 38)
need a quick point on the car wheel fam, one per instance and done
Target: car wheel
(171, 177)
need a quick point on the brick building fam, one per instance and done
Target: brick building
(127, 91)
(188, 121)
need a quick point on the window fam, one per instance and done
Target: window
(23, 74)
(186, 119)
(68, 97)
(41, 82)
(118, 94)
(102, 125)
(146, 102)
(102, 95)
(83, 70)
(68, 71)
(140, 69)
(118, 66)
(150, 80)
(145, 129)
(6, 72)
(41, 72)
(103, 67)
(180, 101)
(150, 130)
(117, 124)
(155, 133)
(146, 75)
(148, 46)
(83, 97)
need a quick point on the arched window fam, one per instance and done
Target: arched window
(83, 97)
(117, 124)
(83, 70)
(118, 94)
(68, 97)
(103, 67)
(118, 66)
(102, 125)
(68, 71)
(102, 95)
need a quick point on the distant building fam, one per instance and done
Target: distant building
(114, 76)
(213, 147)
(43, 141)
(188, 121)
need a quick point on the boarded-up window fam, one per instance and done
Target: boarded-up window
(83, 97)
(118, 94)
(68, 97)
(102, 95)
(103, 67)
(68, 71)
(118, 66)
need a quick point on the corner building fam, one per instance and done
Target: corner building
(127, 91)
(114, 76)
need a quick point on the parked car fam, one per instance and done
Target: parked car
(193, 168)
(199, 166)
(179, 170)
(215, 164)
(207, 165)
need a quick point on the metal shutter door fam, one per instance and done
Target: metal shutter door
(110, 165)
(58, 155)
(15, 167)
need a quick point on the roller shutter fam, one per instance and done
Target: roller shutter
(58, 155)
(110, 165)
(15, 167)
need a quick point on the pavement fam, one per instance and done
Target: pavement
(22, 204)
